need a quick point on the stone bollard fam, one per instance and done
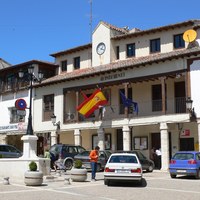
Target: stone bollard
(67, 181)
(6, 181)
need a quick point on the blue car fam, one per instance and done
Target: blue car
(185, 163)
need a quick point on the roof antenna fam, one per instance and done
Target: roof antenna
(90, 21)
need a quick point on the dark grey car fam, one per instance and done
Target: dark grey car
(66, 153)
(84, 157)
(147, 164)
(9, 151)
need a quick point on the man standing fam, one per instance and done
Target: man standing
(94, 155)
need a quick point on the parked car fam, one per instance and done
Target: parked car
(9, 151)
(185, 163)
(123, 167)
(84, 157)
(147, 164)
(65, 152)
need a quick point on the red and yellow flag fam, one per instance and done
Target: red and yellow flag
(92, 103)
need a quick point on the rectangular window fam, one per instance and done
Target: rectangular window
(48, 107)
(157, 97)
(155, 45)
(1, 85)
(64, 65)
(15, 117)
(117, 52)
(121, 109)
(178, 41)
(130, 50)
(77, 63)
(10, 82)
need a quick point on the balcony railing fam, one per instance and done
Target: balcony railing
(145, 108)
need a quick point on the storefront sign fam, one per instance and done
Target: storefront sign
(185, 132)
(14, 127)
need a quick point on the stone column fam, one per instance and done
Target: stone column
(164, 146)
(198, 125)
(126, 138)
(101, 138)
(53, 137)
(30, 146)
(77, 137)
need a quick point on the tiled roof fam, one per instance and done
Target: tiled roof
(10, 67)
(123, 30)
(122, 64)
(194, 23)
(72, 50)
(4, 64)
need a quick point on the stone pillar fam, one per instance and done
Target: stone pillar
(126, 138)
(53, 137)
(30, 146)
(164, 146)
(77, 137)
(101, 138)
(198, 125)
(3, 138)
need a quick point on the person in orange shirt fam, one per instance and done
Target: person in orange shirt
(94, 155)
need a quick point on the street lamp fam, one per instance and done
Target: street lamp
(53, 120)
(189, 107)
(32, 78)
(57, 124)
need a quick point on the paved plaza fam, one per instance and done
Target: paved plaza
(157, 185)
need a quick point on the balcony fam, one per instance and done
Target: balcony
(146, 108)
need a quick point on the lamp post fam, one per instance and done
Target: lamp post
(57, 124)
(189, 107)
(32, 78)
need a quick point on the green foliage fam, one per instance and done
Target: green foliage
(1, 156)
(33, 166)
(78, 164)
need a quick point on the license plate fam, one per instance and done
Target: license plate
(123, 171)
(181, 170)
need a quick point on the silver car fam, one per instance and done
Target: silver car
(84, 157)
(9, 151)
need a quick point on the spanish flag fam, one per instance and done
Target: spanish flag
(92, 103)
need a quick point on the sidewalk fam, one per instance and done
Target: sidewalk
(54, 178)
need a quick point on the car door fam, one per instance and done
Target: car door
(143, 160)
(198, 159)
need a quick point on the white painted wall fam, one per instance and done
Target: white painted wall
(195, 82)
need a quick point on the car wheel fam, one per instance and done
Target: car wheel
(173, 175)
(197, 176)
(105, 182)
(150, 169)
(68, 164)
(98, 167)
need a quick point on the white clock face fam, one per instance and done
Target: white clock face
(101, 48)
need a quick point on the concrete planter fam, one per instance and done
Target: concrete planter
(78, 175)
(33, 178)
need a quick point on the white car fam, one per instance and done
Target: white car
(123, 167)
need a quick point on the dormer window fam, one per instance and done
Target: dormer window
(130, 50)
(77, 63)
(178, 41)
(64, 65)
(155, 45)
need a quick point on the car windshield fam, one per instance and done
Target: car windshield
(123, 159)
(183, 156)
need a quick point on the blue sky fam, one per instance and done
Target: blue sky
(34, 29)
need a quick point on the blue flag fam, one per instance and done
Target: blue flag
(128, 102)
